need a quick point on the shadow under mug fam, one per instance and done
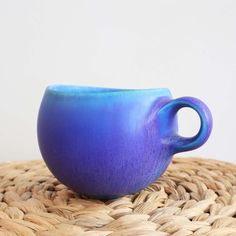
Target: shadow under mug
(105, 142)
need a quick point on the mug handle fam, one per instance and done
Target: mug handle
(182, 144)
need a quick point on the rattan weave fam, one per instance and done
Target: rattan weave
(194, 197)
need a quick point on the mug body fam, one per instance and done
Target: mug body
(103, 142)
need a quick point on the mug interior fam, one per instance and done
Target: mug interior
(87, 90)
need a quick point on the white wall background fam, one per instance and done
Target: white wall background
(188, 46)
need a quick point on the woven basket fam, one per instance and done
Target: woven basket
(194, 197)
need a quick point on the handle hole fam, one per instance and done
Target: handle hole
(188, 122)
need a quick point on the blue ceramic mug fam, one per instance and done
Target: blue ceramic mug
(105, 142)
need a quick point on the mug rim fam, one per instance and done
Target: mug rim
(67, 89)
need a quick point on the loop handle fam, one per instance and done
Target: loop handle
(182, 144)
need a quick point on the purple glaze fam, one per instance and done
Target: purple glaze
(106, 143)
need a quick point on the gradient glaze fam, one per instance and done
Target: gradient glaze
(105, 142)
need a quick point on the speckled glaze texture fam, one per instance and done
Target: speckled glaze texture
(105, 142)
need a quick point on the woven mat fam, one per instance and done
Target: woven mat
(194, 197)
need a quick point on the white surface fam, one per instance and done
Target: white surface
(188, 46)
